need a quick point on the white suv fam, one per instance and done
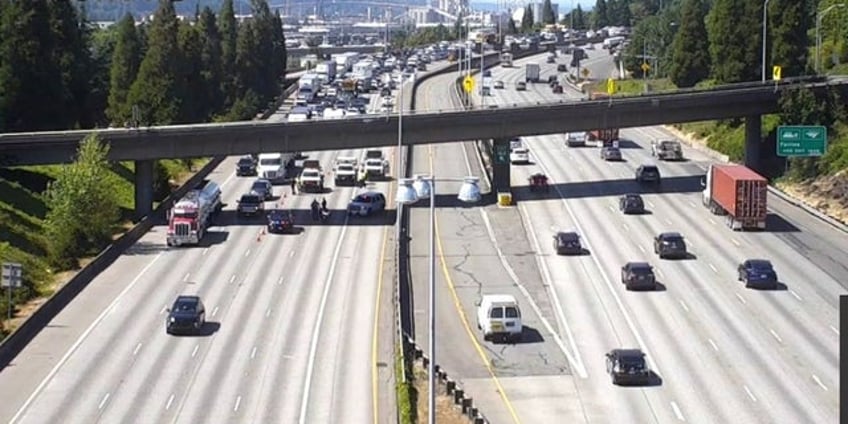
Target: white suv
(499, 316)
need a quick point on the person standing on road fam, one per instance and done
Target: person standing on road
(294, 186)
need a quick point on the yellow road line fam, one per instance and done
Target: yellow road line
(452, 287)
(375, 330)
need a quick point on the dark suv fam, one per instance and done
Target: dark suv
(246, 166)
(567, 243)
(250, 204)
(670, 245)
(186, 315)
(626, 366)
(648, 174)
(757, 273)
(631, 203)
(638, 276)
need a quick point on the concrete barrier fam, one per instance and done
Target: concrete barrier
(15, 342)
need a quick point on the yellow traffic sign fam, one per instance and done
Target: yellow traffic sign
(645, 67)
(775, 73)
(585, 72)
(610, 86)
(468, 84)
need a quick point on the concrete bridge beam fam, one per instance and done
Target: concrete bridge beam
(753, 141)
(500, 166)
(143, 188)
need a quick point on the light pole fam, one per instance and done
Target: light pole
(819, 17)
(765, 34)
(410, 191)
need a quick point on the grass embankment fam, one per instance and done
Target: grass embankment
(407, 394)
(22, 214)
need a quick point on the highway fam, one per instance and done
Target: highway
(722, 353)
(293, 334)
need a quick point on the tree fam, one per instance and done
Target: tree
(459, 26)
(579, 18)
(229, 36)
(190, 84)
(211, 62)
(70, 52)
(82, 205)
(155, 89)
(690, 60)
(789, 22)
(527, 19)
(126, 59)
(618, 12)
(247, 67)
(548, 17)
(28, 75)
(601, 15)
(280, 56)
(734, 38)
(510, 26)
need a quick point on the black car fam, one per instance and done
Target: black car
(262, 188)
(757, 273)
(280, 221)
(638, 275)
(631, 203)
(670, 245)
(648, 174)
(246, 167)
(552, 79)
(187, 314)
(567, 243)
(250, 204)
(628, 366)
(386, 92)
(562, 68)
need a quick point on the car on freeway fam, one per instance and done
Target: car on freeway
(552, 80)
(519, 155)
(556, 89)
(576, 139)
(367, 203)
(631, 203)
(757, 273)
(628, 366)
(515, 143)
(246, 166)
(567, 243)
(520, 86)
(263, 188)
(611, 153)
(499, 84)
(648, 174)
(562, 68)
(386, 92)
(670, 245)
(499, 317)
(551, 59)
(280, 221)
(638, 276)
(250, 204)
(186, 315)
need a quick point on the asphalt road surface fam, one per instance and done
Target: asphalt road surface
(292, 333)
(721, 352)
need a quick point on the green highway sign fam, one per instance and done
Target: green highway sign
(801, 140)
(501, 153)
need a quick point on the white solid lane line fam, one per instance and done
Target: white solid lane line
(316, 331)
(677, 412)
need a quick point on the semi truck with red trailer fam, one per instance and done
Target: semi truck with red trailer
(738, 193)
(608, 136)
(190, 216)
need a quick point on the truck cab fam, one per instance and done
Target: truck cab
(272, 166)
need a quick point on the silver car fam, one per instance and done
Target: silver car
(611, 153)
(367, 203)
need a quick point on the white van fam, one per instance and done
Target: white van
(499, 316)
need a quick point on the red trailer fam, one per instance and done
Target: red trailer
(739, 194)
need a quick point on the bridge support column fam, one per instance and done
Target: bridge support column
(143, 188)
(753, 141)
(500, 166)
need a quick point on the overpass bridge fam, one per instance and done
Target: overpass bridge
(143, 145)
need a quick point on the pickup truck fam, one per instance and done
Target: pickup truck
(345, 171)
(667, 149)
(311, 179)
(375, 166)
